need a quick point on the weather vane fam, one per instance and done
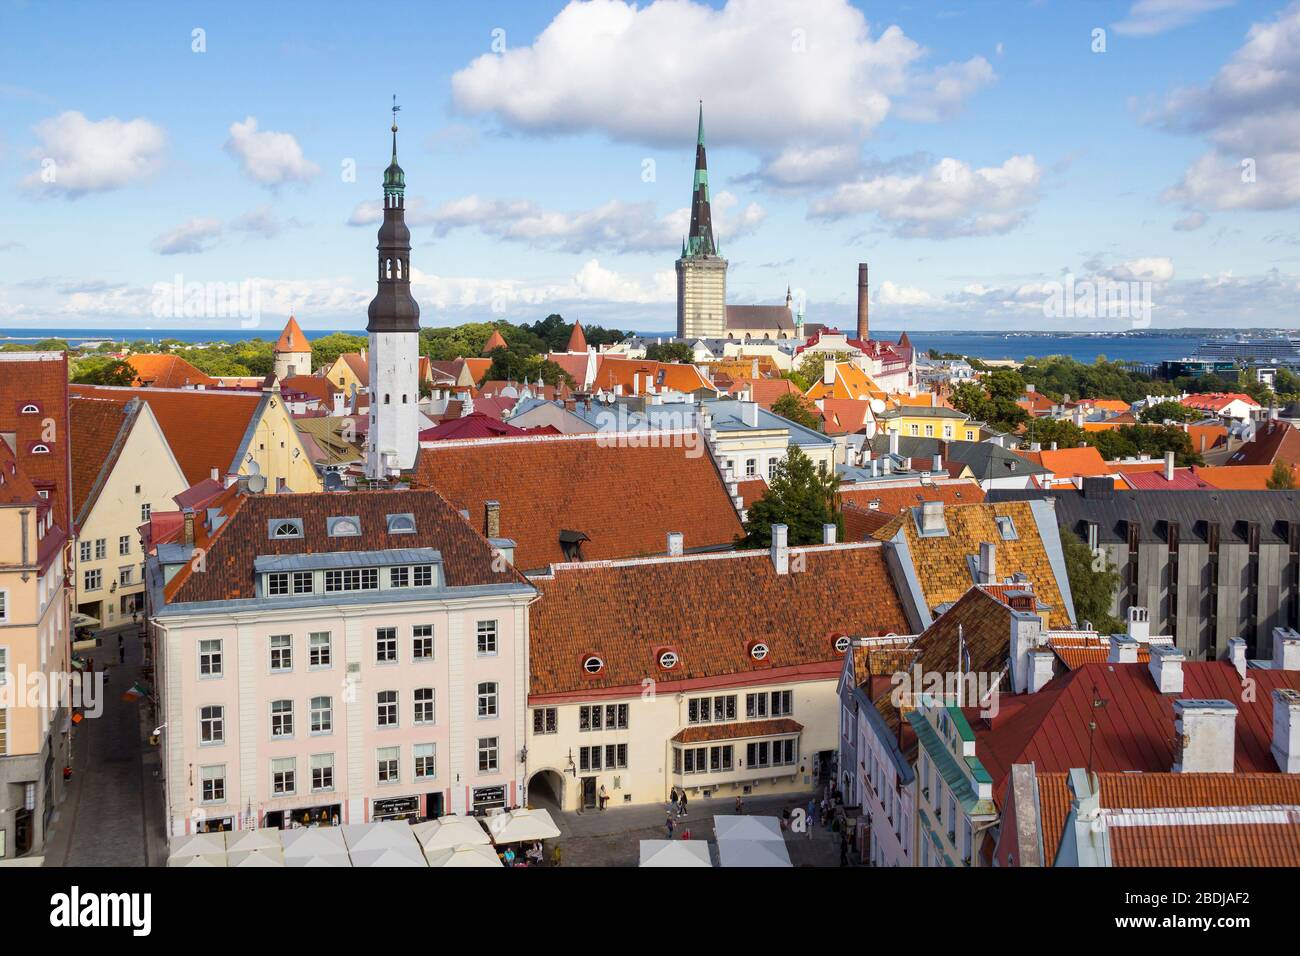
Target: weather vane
(396, 108)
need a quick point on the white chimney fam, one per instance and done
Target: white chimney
(1042, 668)
(749, 413)
(1166, 666)
(1026, 636)
(1123, 650)
(1237, 654)
(1169, 466)
(1286, 649)
(893, 441)
(1205, 732)
(988, 563)
(780, 551)
(937, 464)
(1286, 729)
(828, 372)
(828, 533)
(932, 517)
(1139, 624)
(674, 544)
(215, 475)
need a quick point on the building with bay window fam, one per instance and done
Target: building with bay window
(336, 658)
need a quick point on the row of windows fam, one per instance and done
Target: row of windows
(722, 708)
(93, 580)
(340, 580)
(97, 550)
(320, 648)
(719, 757)
(598, 717)
(608, 757)
(284, 770)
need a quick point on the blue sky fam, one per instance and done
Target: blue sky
(971, 152)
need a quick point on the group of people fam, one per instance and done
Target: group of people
(533, 856)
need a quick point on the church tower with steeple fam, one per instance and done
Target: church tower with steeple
(701, 271)
(394, 327)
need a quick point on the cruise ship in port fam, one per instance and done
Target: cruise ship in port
(1282, 348)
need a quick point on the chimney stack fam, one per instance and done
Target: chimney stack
(1286, 649)
(1123, 650)
(1237, 655)
(780, 550)
(828, 371)
(862, 302)
(189, 527)
(1169, 466)
(893, 441)
(1204, 734)
(1042, 668)
(1139, 624)
(988, 565)
(1286, 729)
(674, 544)
(749, 414)
(492, 519)
(828, 533)
(1166, 667)
(932, 521)
(215, 475)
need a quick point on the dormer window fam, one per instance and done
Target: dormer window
(1007, 528)
(30, 409)
(40, 449)
(593, 664)
(401, 524)
(348, 527)
(285, 528)
(758, 651)
(668, 659)
(842, 643)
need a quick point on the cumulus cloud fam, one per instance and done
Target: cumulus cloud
(262, 222)
(193, 236)
(1149, 17)
(268, 157)
(370, 212)
(948, 200)
(808, 71)
(79, 156)
(1145, 269)
(1250, 115)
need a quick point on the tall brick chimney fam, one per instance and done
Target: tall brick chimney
(862, 301)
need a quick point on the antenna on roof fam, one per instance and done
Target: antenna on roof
(1098, 702)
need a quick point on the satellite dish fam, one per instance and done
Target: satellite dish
(877, 406)
(254, 469)
(257, 483)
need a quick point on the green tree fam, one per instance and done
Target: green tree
(101, 371)
(326, 349)
(796, 409)
(801, 496)
(813, 365)
(511, 366)
(51, 345)
(670, 352)
(1281, 478)
(1170, 411)
(1064, 432)
(1093, 581)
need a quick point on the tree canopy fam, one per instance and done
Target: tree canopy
(800, 496)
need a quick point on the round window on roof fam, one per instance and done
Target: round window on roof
(593, 665)
(842, 643)
(758, 651)
(668, 660)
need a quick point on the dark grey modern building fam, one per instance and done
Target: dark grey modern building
(1207, 565)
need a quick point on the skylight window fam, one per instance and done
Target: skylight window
(279, 528)
(758, 651)
(344, 527)
(593, 665)
(401, 524)
(1007, 528)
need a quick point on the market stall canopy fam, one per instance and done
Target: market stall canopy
(263, 838)
(247, 859)
(383, 843)
(197, 844)
(522, 825)
(467, 854)
(315, 846)
(198, 860)
(753, 853)
(450, 831)
(675, 853)
(84, 620)
(747, 828)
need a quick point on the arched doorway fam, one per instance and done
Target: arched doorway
(546, 789)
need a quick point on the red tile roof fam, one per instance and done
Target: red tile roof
(99, 430)
(316, 387)
(624, 495)
(710, 610)
(474, 425)
(1135, 726)
(738, 730)
(1273, 441)
(495, 341)
(1217, 401)
(577, 341)
(40, 380)
(1148, 479)
(15, 487)
(1242, 477)
(637, 376)
(292, 339)
(167, 371)
(203, 428)
(765, 391)
(844, 416)
(895, 498)
(1075, 651)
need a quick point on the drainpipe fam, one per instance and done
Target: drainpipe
(22, 517)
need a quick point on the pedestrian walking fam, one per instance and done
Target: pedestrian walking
(121, 653)
(740, 806)
(668, 826)
(682, 804)
(604, 797)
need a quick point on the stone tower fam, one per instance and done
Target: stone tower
(701, 272)
(394, 328)
(292, 352)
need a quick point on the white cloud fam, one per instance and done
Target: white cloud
(195, 235)
(1191, 222)
(268, 157)
(1250, 114)
(263, 222)
(891, 294)
(771, 72)
(1149, 17)
(80, 156)
(797, 166)
(1145, 269)
(948, 200)
(371, 212)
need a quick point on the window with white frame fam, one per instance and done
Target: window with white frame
(93, 580)
(352, 579)
(487, 637)
(322, 772)
(213, 782)
(706, 710)
(386, 708)
(387, 759)
(282, 718)
(422, 575)
(212, 725)
(386, 645)
(488, 755)
(751, 467)
(322, 715)
(277, 583)
(422, 642)
(145, 511)
(304, 582)
(545, 720)
(399, 577)
(83, 549)
(284, 776)
(281, 653)
(320, 651)
(101, 549)
(487, 700)
(210, 658)
(126, 575)
(124, 545)
(426, 761)
(425, 708)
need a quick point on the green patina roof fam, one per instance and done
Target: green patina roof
(950, 769)
(394, 177)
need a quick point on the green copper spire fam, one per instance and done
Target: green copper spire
(699, 137)
(394, 177)
(700, 242)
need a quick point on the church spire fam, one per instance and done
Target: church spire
(393, 309)
(700, 241)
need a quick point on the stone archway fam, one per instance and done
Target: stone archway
(546, 789)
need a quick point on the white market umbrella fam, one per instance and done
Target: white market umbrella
(675, 853)
(752, 853)
(465, 855)
(747, 828)
(267, 857)
(199, 860)
(198, 844)
(389, 857)
(521, 826)
(263, 838)
(450, 831)
(381, 836)
(315, 846)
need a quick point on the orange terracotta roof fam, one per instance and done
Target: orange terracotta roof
(40, 380)
(495, 341)
(765, 391)
(738, 730)
(1071, 462)
(892, 500)
(292, 339)
(1242, 477)
(1213, 436)
(751, 490)
(574, 365)
(634, 374)
(314, 386)
(850, 383)
(844, 416)
(167, 371)
(359, 366)
(203, 428)
(577, 341)
(1217, 401)
(624, 496)
(99, 429)
(710, 610)
(1076, 650)
(15, 487)
(1273, 441)
(1107, 404)
(1189, 835)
